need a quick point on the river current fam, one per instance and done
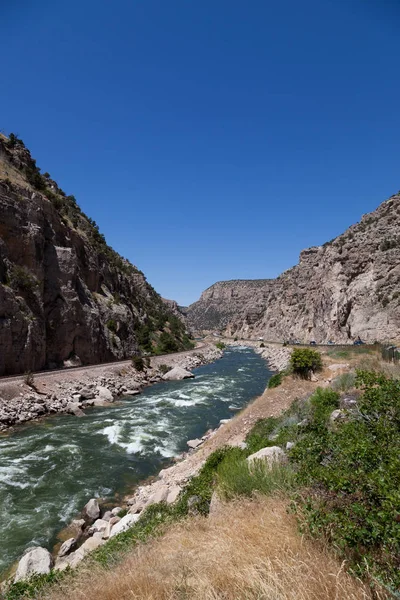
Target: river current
(50, 469)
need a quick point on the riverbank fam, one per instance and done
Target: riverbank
(71, 391)
(51, 468)
(171, 481)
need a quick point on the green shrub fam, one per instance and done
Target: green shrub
(167, 343)
(20, 278)
(220, 345)
(344, 382)
(304, 361)
(352, 474)
(275, 380)
(164, 369)
(138, 363)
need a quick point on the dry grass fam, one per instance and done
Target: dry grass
(249, 550)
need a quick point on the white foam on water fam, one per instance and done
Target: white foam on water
(181, 403)
(112, 432)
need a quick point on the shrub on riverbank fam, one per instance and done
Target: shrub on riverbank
(275, 380)
(304, 361)
(220, 345)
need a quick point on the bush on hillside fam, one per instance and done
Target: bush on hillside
(352, 477)
(275, 380)
(220, 345)
(138, 363)
(304, 361)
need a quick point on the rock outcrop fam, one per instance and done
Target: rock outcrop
(348, 287)
(66, 297)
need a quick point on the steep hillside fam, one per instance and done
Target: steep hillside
(64, 293)
(346, 288)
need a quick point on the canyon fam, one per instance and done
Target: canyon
(342, 290)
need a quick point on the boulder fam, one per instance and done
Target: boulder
(104, 394)
(73, 408)
(67, 547)
(194, 443)
(91, 511)
(36, 561)
(177, 374)
(115, 511)
(107, 515)
(160, 495)
(87, 393)
(173, 494)
(99, 525)
(289, 445)
(271, 455)
(124, 524)
(113, 521)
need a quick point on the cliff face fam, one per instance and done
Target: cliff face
(346, 288)
(64, 294)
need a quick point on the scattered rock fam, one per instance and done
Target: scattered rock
(115, 511)
(99, 526)
(289, 445)
(173, 494)
(104, 394)
(73, 408)
(91, 511)
(124, 524)
(67, 547)
(194, 443)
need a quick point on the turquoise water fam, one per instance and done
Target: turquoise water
(49, 470)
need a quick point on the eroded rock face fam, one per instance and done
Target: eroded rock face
(65, 296)
(346, 288)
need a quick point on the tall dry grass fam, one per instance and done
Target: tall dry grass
(248, 550)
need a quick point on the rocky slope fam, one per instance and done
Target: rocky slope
(348, 287)
(65, 295)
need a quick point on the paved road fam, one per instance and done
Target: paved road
(77, 370)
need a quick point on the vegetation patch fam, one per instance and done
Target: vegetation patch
(138, 363)
(275, 380)
(220, 345)
(304, 361)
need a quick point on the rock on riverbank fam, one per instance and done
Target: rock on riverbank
(277, 357)
(72, 392)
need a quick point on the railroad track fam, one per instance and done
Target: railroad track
(120, 363)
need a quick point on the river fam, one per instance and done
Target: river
(49, 470)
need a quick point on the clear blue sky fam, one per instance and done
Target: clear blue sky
(209, 139)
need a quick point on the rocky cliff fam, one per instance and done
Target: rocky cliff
(348, 287)
(65, 295)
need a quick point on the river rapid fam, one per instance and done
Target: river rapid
(49, 470)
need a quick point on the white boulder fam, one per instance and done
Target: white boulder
(92, 510)
(36, 561)
(271, 455)
(124, 524)
(176, 374)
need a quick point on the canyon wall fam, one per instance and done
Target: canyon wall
(348, 287)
